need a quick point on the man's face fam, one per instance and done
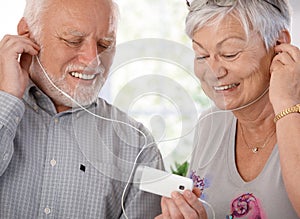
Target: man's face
(77, 46)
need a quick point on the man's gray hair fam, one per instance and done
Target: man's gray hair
(32, 14)
(35, 8)
(267, 17)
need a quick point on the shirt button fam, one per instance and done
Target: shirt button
(36, 108)
(53, 162)
(56, 120)
(17, 119)
(47, 210)
(5, 157)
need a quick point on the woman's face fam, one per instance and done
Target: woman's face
(233, 69)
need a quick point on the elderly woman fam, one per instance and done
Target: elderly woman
(246, 159)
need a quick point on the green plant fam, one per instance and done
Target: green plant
(180, 169)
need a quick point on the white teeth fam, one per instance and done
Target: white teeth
(225, 87)
(83, 76)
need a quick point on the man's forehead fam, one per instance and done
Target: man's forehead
(75, 7)
(83, 20)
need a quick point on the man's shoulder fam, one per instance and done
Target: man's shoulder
(113, 112)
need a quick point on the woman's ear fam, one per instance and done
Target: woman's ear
(284, 37)
(23, 27)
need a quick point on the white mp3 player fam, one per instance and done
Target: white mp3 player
(160, 182)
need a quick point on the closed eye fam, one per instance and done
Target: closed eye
(73, 43)
(201, 58)
(231, 56)
(104, 46)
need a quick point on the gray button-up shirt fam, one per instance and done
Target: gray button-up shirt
(71, 164)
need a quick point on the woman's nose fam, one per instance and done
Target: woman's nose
(217, 68)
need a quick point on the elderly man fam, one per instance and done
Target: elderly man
(65, 153)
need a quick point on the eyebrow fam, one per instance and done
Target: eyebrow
(219, 43)
(75, 33)
(109, 39)
(197, 43)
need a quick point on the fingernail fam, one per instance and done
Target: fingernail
(188, 193)
(175, 195)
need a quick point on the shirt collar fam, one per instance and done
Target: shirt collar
(37, 99)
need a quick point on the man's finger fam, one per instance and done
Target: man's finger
(25, 61)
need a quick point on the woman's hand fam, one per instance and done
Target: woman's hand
(285, 77)
(181, 206)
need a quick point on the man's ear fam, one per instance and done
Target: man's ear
(23, 27)
(284, 37)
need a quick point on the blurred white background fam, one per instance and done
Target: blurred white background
(149, 19)
(11, 11)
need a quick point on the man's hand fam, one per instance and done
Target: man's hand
(15, 58)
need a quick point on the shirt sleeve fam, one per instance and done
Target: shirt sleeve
(11, 112)
(139, 204)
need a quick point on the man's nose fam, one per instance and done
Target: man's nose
(89, 54)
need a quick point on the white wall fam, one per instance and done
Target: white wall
(10, 13)
(295, 30)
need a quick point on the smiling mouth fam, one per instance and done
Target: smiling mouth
(83, 76)
(225, 87)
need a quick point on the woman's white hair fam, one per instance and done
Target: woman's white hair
(267, 17)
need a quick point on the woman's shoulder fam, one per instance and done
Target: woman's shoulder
(215, 117)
